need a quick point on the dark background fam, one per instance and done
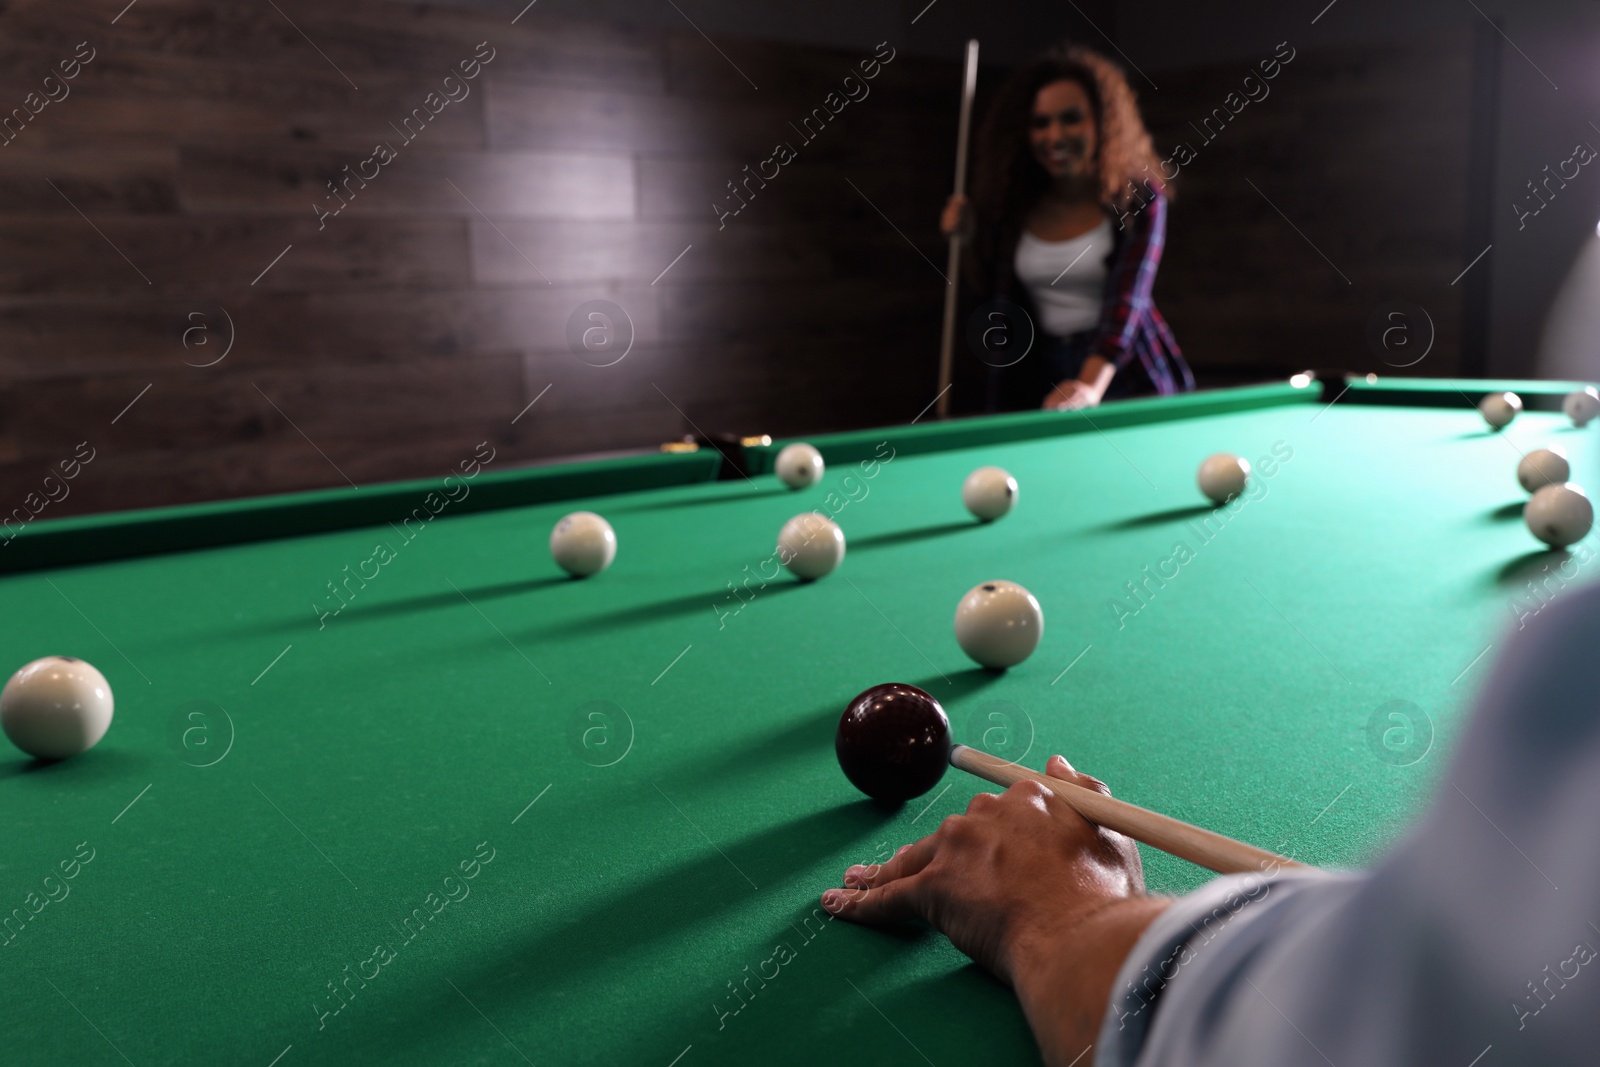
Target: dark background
(139, 217)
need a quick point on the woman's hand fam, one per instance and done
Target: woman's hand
(955, 216)
(1030, 889)
(1071, 395)
(1084, 391)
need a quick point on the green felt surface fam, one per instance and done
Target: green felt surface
(1454, 392)
(1474, 388)
(354, 765)
(27, 542)
(932, 436)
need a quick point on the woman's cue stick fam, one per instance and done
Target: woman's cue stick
(969, 83)
(1210, 850)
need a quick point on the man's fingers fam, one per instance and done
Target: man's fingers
(908, 860)
(897, 901)
(1058, 767)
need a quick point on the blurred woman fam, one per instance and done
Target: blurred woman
(1068, 219)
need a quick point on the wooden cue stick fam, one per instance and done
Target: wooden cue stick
(947, 340)
(1210, 850)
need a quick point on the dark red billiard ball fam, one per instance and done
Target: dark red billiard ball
(893, 742)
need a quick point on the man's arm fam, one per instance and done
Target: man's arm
(1473, 942)
(1064, 984)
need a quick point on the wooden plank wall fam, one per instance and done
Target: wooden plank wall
(138, 214)
(1365, 151)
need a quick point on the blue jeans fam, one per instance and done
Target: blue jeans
(1063, 356)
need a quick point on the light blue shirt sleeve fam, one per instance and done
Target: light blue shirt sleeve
(1472, 944)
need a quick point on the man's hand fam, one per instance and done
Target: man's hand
(1030, 889)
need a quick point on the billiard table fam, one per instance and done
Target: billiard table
(384, 786)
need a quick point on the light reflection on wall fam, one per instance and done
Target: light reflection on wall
(1570, 346)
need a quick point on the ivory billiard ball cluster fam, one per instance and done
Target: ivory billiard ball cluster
(999, 624)
(1223, 476)
(1559, 513)
(56, 707)
(1582, 406)
(811, 545)
(583, 544)
(989, 493)
(799, 466)
(1542, 467)
(1498, 409)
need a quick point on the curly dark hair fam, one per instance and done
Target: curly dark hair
(1008, 181)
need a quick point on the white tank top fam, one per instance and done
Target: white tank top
(1065, 279)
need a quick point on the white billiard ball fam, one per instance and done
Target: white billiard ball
(56, 707)
(1559, 515)
(1498, 409)
(1222, 476)
(799, 465)
(583, 544)
(999, 624)
(1542, 467)
(989, 493)
(811, 545)
(1582, 406)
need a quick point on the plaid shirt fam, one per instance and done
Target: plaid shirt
(1132, 335)
(1131, 329)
